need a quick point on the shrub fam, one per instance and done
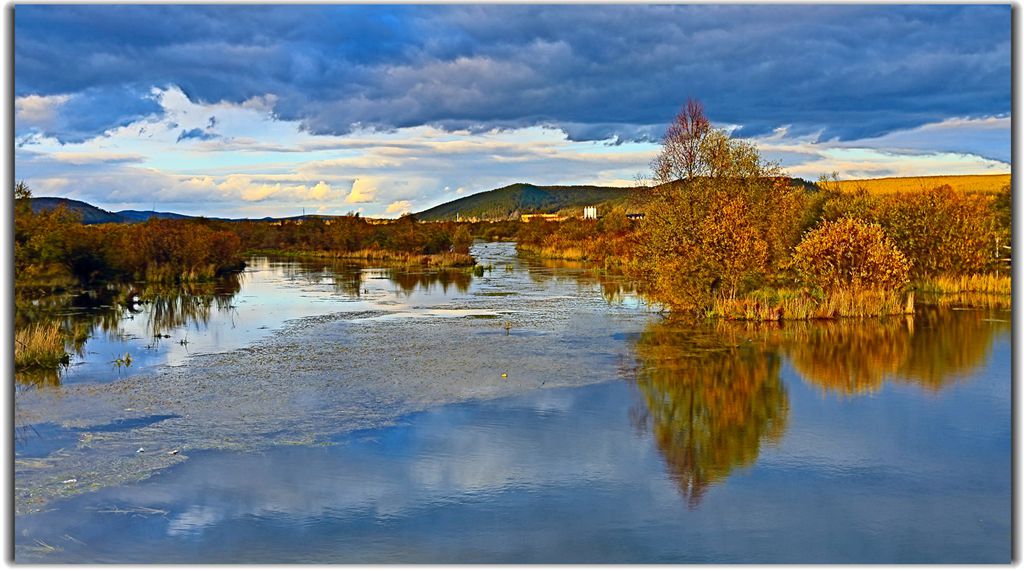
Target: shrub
(849, 253)
(940, 230)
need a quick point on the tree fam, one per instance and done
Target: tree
(719, 222)
(681, 156)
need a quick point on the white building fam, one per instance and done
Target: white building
(590, 213)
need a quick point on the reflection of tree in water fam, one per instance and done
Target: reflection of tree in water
(709, 403)
(82, 314)
(614, 285)
(346, 277)
(713, 395)
(847, 357)
(931, 348)
(173, 306)
(947, 345)
(409, 281)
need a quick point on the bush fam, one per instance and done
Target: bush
(941, 231)
(850, 254)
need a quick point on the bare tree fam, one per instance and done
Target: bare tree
(682, 155)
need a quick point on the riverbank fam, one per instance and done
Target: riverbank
(443, 260)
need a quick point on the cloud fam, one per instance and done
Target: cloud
(953, 146)
(398, 207)
(362, 191)
(262, 165)
(38, 111)
(76, 117)
(197, 134)
(609, 73)
(97, 157)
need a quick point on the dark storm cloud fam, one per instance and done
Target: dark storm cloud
(89, 112)
(598, 72)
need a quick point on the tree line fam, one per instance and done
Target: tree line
(728, 233)
(54, 248)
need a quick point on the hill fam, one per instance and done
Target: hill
(143, 215)
(90, 214)
(961, 183)
(522, 198)
(95, 215)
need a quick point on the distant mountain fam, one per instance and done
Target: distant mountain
(90, 214)
(143, 215)
(521, 198)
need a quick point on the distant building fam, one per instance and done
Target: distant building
(635, 216)
(590, 213)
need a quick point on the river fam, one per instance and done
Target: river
(315, 412)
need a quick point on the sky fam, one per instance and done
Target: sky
(265, 110)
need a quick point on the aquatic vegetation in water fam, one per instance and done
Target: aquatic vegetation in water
(801, 305)
(122, 361)
(40, 346)
(993, 283)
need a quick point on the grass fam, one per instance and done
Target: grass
(40, 345)
(974, 283)
(792, 305)
(984, 183)
(975, 291)
(563, 253)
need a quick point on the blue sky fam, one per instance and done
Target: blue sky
(265, 110)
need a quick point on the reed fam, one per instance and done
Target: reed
(792, 305)
(171, 274)
(40, 345)
(571, 253)
(992, 283)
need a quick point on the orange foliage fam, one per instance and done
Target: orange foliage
(850, 254)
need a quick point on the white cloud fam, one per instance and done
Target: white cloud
(96, 157)
(953, 146)
(362, 191)
(38, 111)
(398, 207)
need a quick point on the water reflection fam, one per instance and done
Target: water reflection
(164, 323)
(615, 288)
(342, 275)
(171, 307)
(713, 395)
(105, 311)
(409, 281)
(931, 349)
(708, 403)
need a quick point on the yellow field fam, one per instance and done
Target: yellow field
(961, 183)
